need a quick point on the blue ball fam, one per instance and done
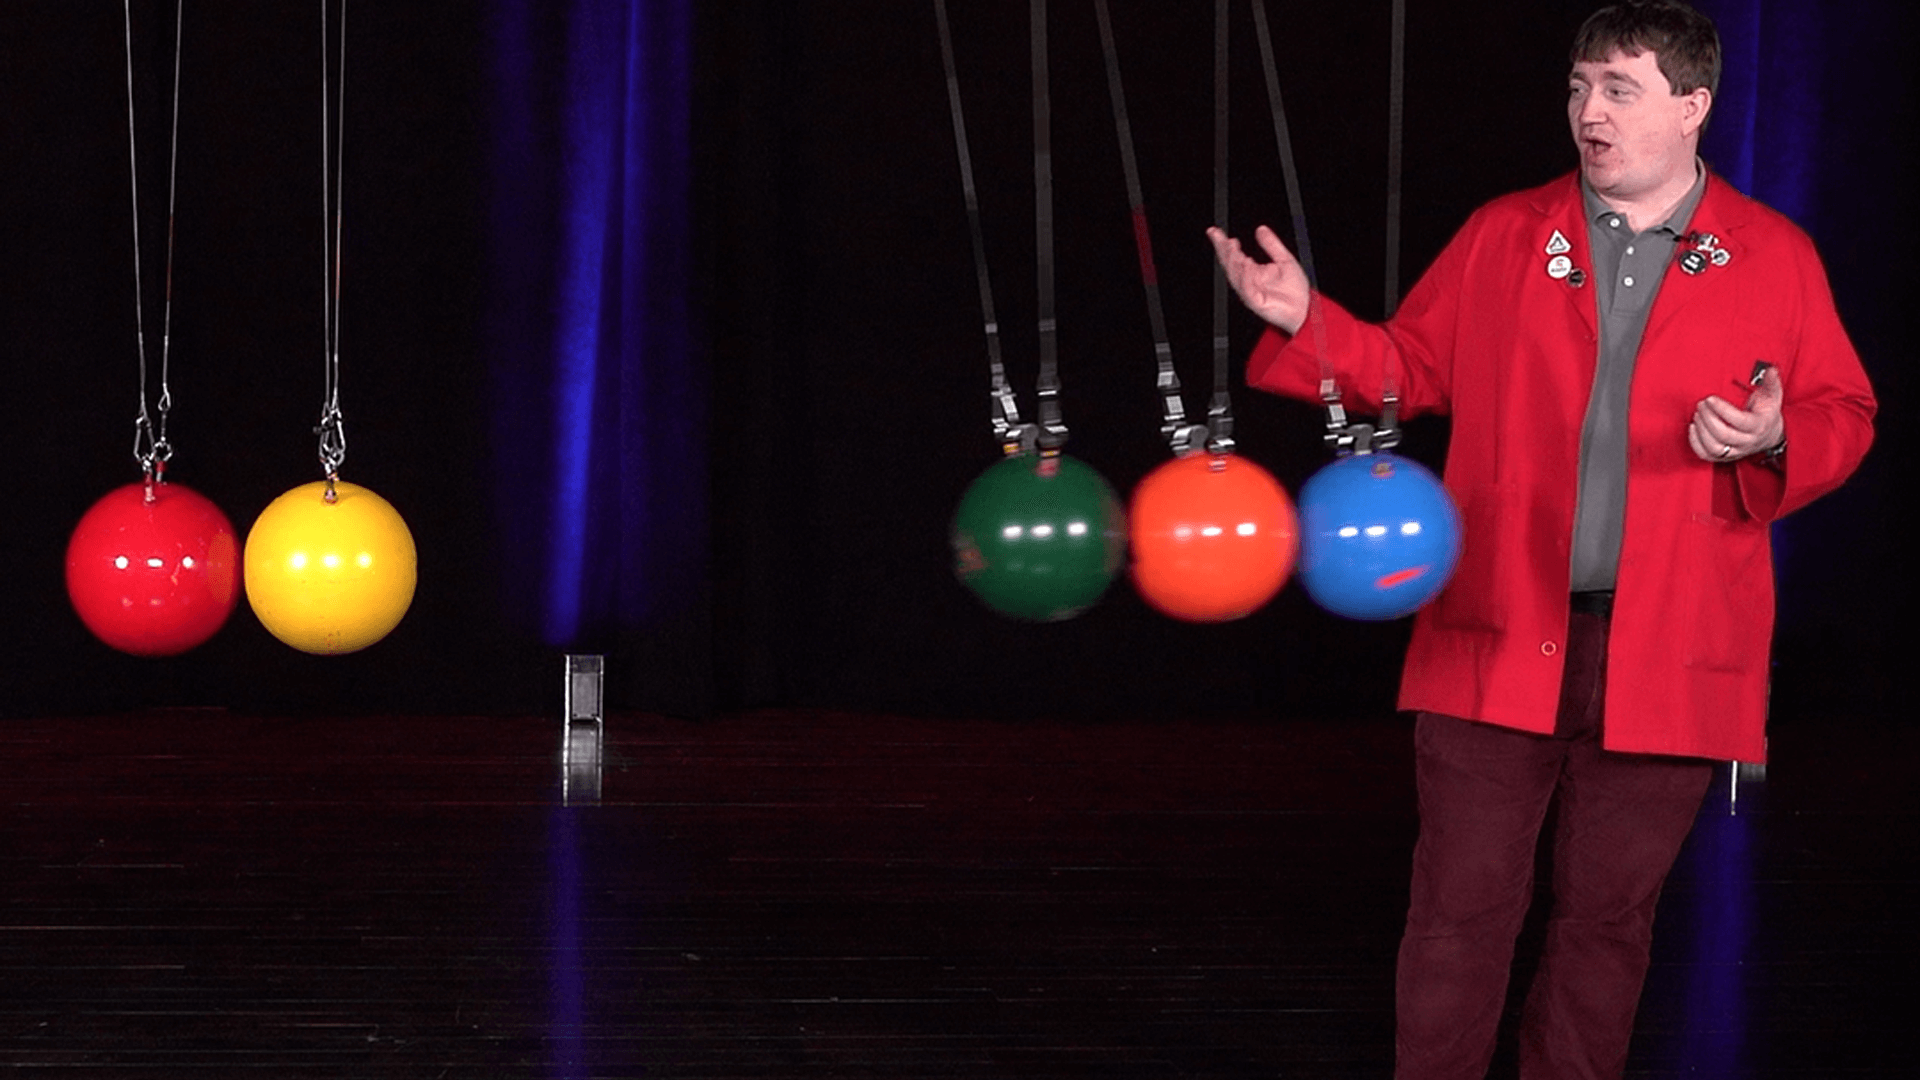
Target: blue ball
(1379, 537)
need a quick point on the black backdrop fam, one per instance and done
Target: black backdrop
(842, 336)
(247, 327)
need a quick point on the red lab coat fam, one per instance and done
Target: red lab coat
(1490, 337)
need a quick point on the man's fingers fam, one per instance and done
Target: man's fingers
(1233, 261)
(1719, 431)
(1227, 248)
(1223, 245)
(1270, 243)
(1713, 435)
(1232, 257)
(1276, 290)
(1711, 443)
(1698, 443)
(1731, 415)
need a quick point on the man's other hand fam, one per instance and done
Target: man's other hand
(1722, 431)
(1277, 290)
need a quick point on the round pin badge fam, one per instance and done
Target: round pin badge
(1559, 267)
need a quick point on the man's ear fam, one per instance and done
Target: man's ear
(1694, 112)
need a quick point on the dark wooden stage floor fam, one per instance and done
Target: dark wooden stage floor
(198, 894)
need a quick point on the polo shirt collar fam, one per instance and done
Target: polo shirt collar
(1599, 213)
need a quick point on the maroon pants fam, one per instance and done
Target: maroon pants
(1484, 792)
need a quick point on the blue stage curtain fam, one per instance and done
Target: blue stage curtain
(1802, 103)
(598, 470)
(1809, 120)
(1765, 133)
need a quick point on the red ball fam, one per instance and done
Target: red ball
(153, 577)
(1214, 537)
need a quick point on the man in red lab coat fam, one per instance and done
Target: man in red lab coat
(1644, 369)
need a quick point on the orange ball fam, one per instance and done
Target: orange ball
(1214, 537)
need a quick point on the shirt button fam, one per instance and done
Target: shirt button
(1548, 648)
(1629, 249)
(1613, 222)
(1629, 283)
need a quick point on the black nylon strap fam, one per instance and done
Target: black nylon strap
(1220, 412)
(1004, 407)
(1167, 379)
(1290, 171)
(1340, 433)
(1053, 433)
(1396, 122)
(1388, 434)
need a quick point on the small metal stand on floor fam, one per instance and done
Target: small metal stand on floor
(1744, 779)
(583, 734)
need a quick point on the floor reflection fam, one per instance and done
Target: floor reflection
(567, 978)
(1719, 919)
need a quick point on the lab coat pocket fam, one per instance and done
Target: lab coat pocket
(1731, 610)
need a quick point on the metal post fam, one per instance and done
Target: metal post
(583, 731)
(1744, 775)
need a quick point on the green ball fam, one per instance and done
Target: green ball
(1039, 538)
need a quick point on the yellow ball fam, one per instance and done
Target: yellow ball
(330, 577)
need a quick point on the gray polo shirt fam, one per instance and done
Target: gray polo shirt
(1627, 270)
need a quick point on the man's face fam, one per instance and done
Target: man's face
(1633, 133)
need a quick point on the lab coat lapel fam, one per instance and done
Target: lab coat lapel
(1713, 235)
(1563, 224)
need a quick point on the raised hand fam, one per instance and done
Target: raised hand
(1276, 290)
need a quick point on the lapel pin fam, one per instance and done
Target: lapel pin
(1706, 252)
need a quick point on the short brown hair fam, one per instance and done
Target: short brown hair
(1683, 41)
